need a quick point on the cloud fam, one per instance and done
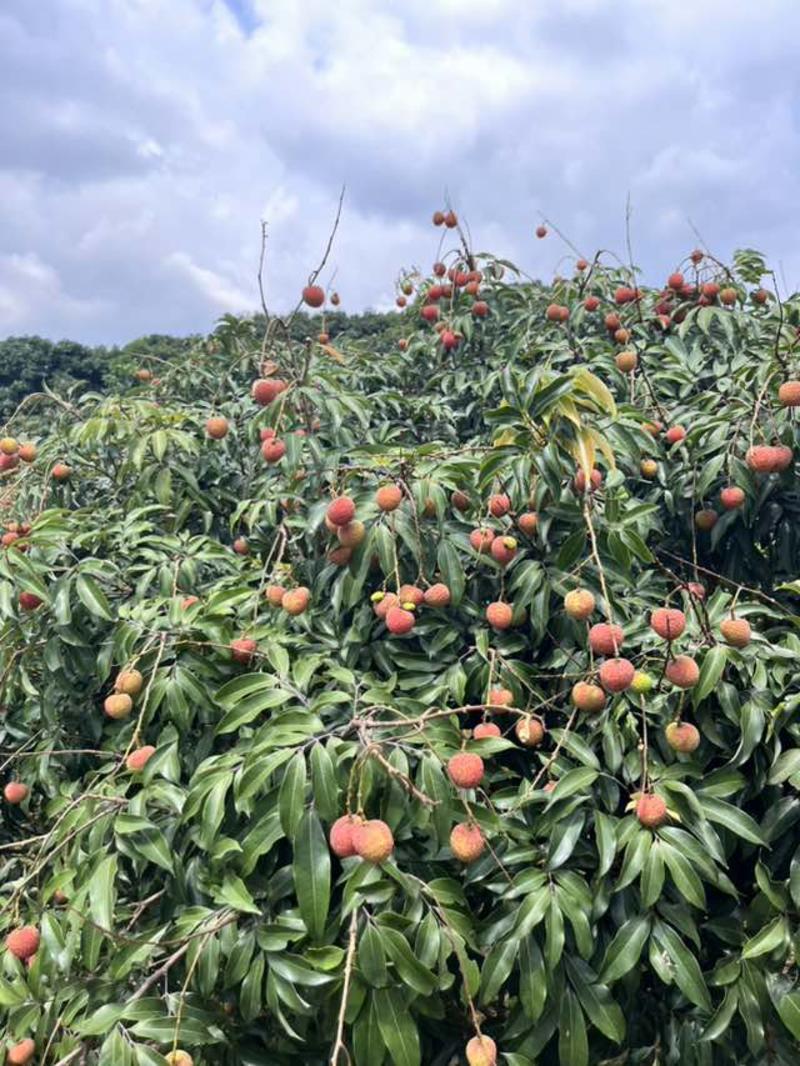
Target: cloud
(144, 140)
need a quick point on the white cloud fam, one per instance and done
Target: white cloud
(144, 140)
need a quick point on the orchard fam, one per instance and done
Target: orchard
(429, 699)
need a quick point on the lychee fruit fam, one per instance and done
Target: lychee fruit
(675, 434)
(499, 505)
(295, 601)
(648, 468)
(389, 497)
(616, 675)
(15, 792)
(275, 594)
(481, 539)
(23, 942)
(651, 810)
(789, 394)
(411, 594)
(217, 427)
(682, 671)
(129, 681)
(373, 840)
(314, 295)
(273, 450)
(399, 621)
(760, 296)
(530, 731)
(241, 547)
(179, 1058)
(467, 842)
(383, 603)
(22, 1053)
(732, 497)
(587, 697)
(481, 1051)
(341, 835)
(264, 390)
(341, 511)
(466, 769)
(728, 297)
(705, 519)
(626, 362)
(682, 736)
(438, 220)
(605, 638)
(118, 705)
(595, 480)
(736, 632)
(528, 523)
(499, 615)
(541, 231)
(500, 697)
(480, 309)
(579, 604)
(460, 500)
(642, 683)
(668, 622)
(591, 303)
(27, 452)
(351, 535)
(137, 760)
(437, 595)
(503, 550)
(675, 281)
(28, 601)
(451, 220)
(242, 650)
(484, 730)
(8, 446)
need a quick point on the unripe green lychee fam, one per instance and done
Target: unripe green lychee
(642, 683)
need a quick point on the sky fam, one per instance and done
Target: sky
(143, 141)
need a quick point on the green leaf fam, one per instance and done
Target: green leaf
(397, 1026)
(710, 672)
(92, 597)
(732, 818)
(573, 1045)
(312, 874)
(685, 967)
(769, 939)
(101, 892)
(624, 950)
(291, 798)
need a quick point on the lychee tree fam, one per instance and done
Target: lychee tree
(419, 699)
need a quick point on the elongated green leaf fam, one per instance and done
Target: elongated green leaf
(312, 874)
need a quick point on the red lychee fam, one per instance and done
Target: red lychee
(500, 697)
(484, 730)
(589, 698)
(579, 483)
(732, 497)
(28, 601)
(217, 427)
(789, 394)
(682, 671)
(530, 731)
(682, 736)
(467, 842)
(503, 550)
(651, 810)
(605, 638)
(389, 497)
(668, 622)
(675, 281)
(481, 539)
(137, 760)
(481, 1051)
(313, 295)
(736, 632)
(341, 511)
(466, 769)
(275, 594)
(15, 792)
(499, 505)
(705, 519)
(373, 841)
(23, 942)
(399, 621)
(242, 649)
(341, 835)
(437, 595)
(541, 231)
(675, 434)
(22, 1053)
(591, 303)
(528, 523)
(273, 450)
(118, 706)
(499, 615)
(616, 675)
(264, 390)
(295, 601)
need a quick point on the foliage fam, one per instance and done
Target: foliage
(195, 904)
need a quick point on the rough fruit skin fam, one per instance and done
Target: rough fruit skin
(242, 649)
(484, 730)
(460, 500)
(273, 450)
(28, 601)
(275, 594)
(129, 681)
(736, 632)
(351, 535)
(682, 671)
(296, 600)
(675, 281)
(119, 705)
(137, 760)
(587, 697)
(499, 505)
(528, 523)
(732, 497)
(313, 295)
(616, 675)
(675, 434)
(651, 810)
(264, 390)
(668, 622)
(15, 792)
(341, 836)
(766, 459)
(217, 428)
(387, 601)
(530, 731)
(705, 520)
(465, 770)
(596, 480)
(682, 736)
(467, 842)
(399, 621)
(696, 589)
(648, 468)
(373, 841)
(728, 297)
(389, 497)
(500, 697)
(541, 231)
(626, 362)
(481, 1051)
(340, 556)
(341, 511)
(481, 539)
(437, 595)
(411, 594)
(579, 604)
(789, 394)
(27, 452)
(642, 683)
(605, 638)
(179, 1058)
(503, 550)
(591, 303)
(23, 942)
(22, 1053)
(499, 615)
(61, 471)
